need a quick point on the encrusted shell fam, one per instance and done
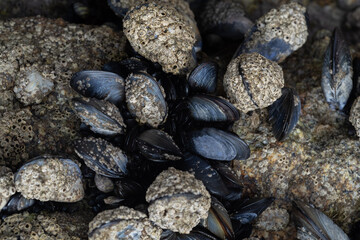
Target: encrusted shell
(278, 33)
(122, 223)
(355, 115)
(252, 82)
(162, 34)
(145, 99)
(49, 178)
(178, 201)
(7, 186)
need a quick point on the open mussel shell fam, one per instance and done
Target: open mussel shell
(145, 99)
(204, 78)
(102, 157)
(216, 144)
(103, 117)
(313, 224)
(99, 84)
(208, 108)
(284, 113)
(218, 221)
(158, 146)
(336, 80)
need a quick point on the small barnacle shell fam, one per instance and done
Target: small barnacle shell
(278, 33)
(145, 99)
(122, 223)
(7, 186)
(48, 178)
(355, 115)
(252, 82)
(162, 34)
(178, 201)
(103, 183)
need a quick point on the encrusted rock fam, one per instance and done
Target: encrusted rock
(50, 179)
(278, 33)
(7, 185)
(355, 116)
(161, 33)
(123, 223)
(177, 200)
(252, 81)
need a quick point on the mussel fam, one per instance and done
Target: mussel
(284, 113)
(99, 84)
(216, 144)
(204, 78)
(336, 80)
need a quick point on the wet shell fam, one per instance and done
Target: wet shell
(177, 201)
(337, 72)
(7, 186)
(122, 223)
(216, 144)
(103, 117)
(18, 203)
(145, 99)
(48, 178)
(204, 78)
(162, 34)
(251, 82)
(103, 183)
(278, 33)
(102, 157)
(284, 113)
(99, 84)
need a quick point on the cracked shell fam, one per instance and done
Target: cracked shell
(355, 115)
(7, 186)
(49, 178)
(162, 34)
(253, 82)
(278, 33)
(123, 223)
(145, 99)
(178, 201)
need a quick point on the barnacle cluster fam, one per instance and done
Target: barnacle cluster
(7, 186)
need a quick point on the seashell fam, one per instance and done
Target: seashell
(246, 210)
(207, 108)
(313, 224)
(18, 203)
(253, 82)
(172, 43)
(355, 115)
(218, 221)
(228, 175)
(103, 117)
(122, 223)
(177, 201)
(48, 178)
(215, 144)
(197, 233)
(7, 186)
(225, 18)
(127, 188)
(145, 99)
(336, 80)
(277, 34)
(158, 146)
(129, 65)
(174, 88)
(284, 113)
(102, 157)
(204, 78)
(99, 84)
(103, 183)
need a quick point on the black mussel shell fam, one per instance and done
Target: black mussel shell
(336, 80)
(130, 191)
(117, 7)
(99, 84)
(158, 146)
(212, 109)
(204, 172)
(103, 117)
(175, 87)
(284, 113)
(18, 203)
(312, 223)
(215, 144)
(102, 157)
(197, 233)
(355, 92)
(228, 175)
(204, 78)
(218, 221)
(246, 210)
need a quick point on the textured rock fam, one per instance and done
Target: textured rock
(7, 185)
(55, 50)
